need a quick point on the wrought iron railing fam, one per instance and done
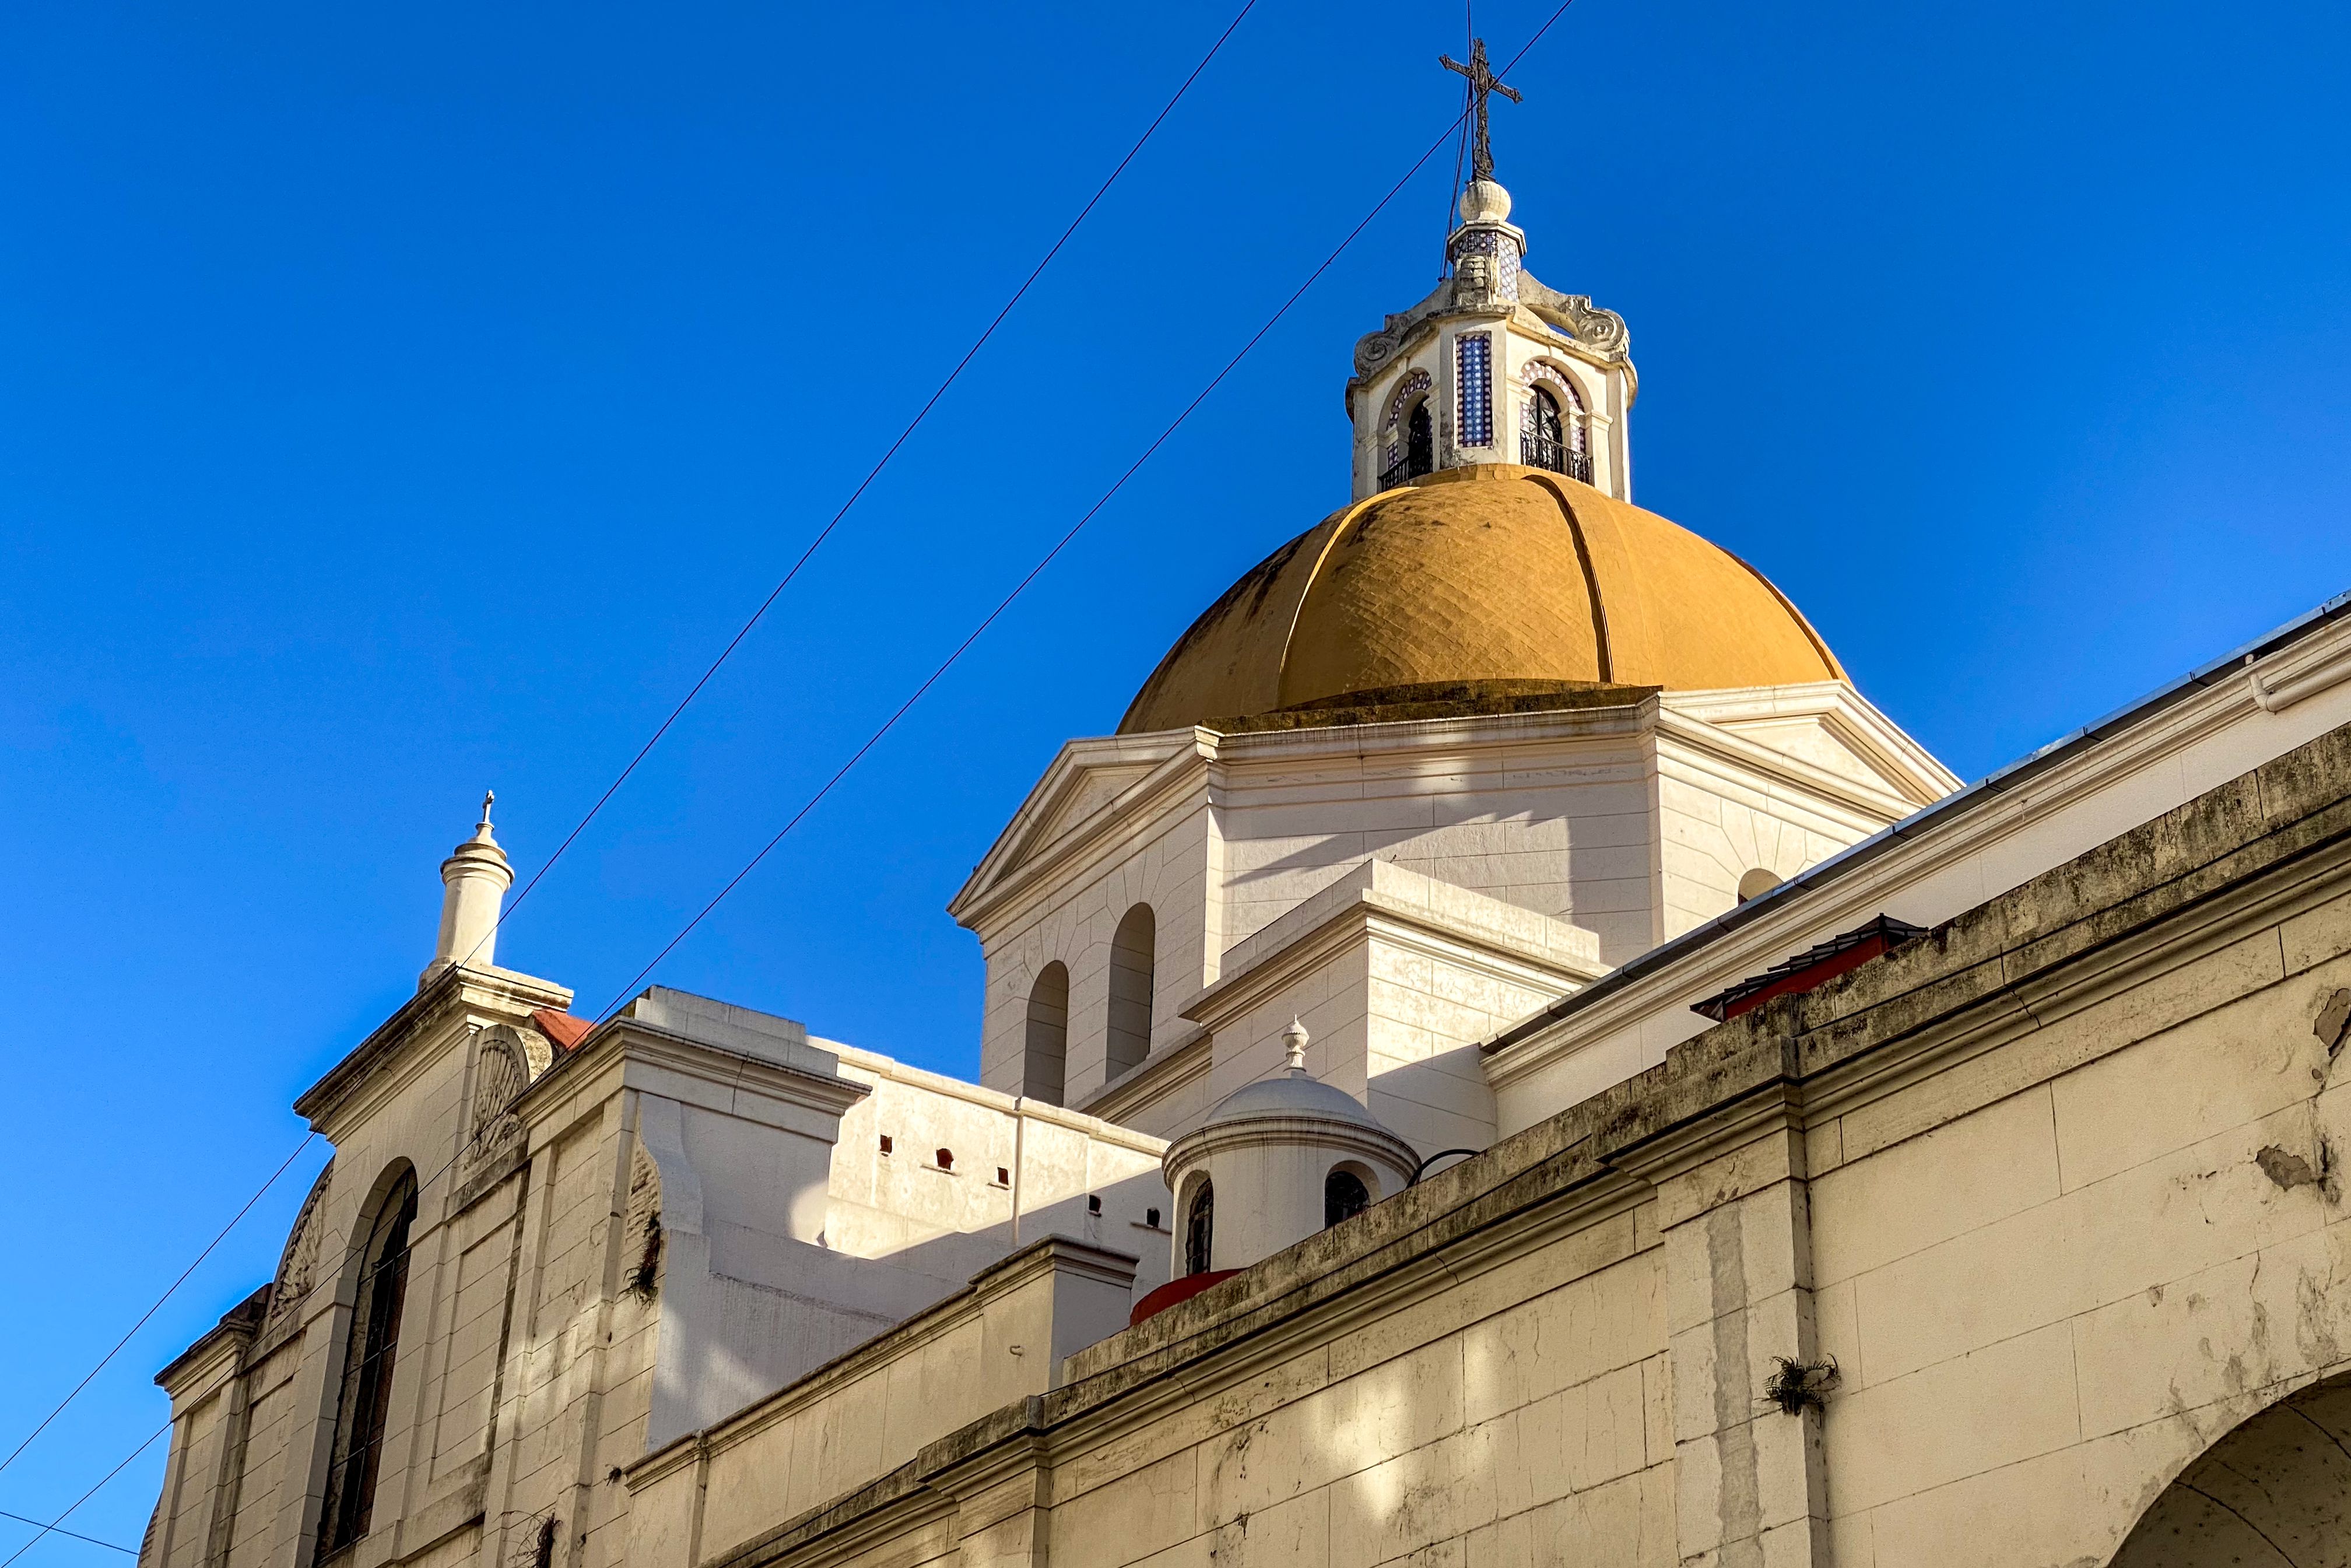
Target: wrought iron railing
(1538, 451)
(1393, 475)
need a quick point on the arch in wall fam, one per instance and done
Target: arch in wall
(1567, 402)
(1416, 385)
(1199, 1226)
(1134, 949)
(1045, 1061)
(2274, 1490)
(1407, 442)
(1756, 883)
(1419, 442)
(363, 1398)
(1347, 1191)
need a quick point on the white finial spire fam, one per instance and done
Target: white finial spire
(1293, 1040)
(473, 884)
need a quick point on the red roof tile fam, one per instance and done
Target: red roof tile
(564, 1030)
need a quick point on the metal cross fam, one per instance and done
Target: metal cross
(1482, 83)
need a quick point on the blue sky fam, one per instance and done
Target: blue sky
(398, 403)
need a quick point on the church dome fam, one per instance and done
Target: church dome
(1293, 1095)
(1476, 581)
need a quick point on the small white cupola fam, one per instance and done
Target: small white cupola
(1492, 367)
(474, 882)
(1276, 1162)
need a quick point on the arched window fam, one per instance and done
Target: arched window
(1419, 442)
(1542, 416)
(1132, 959)
(1044, 1068)
(1408, 400)
(1553, 431)
(368, 1358)
(1344, 1195)
(1200, 1228)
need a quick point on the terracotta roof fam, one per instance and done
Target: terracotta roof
(565, 1030)
(1822, 962)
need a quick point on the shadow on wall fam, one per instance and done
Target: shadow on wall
(754, 1312)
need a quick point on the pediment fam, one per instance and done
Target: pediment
(1813, 738)
(1089, 793)
(1830, 729)
(1080, 790)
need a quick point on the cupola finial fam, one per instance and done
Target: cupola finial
(1293, 1041)
(1482, 83)
(473, 878)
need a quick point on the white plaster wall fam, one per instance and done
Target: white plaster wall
(2132, 777)
(1716, 821)
(987, 1348)
(1395, 1003)
(949, 1224)
(1166, 866)
(1602, 392)
(1560, 827)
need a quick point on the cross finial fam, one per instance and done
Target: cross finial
(489, 795)
(1482, 81)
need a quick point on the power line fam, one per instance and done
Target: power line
(1063, 542)
(75, 1534)
(51, 1528)
(724, 654)
(872, 474)
(151, 1312)
(54, 1526)
(945, 664)
(1462, 149)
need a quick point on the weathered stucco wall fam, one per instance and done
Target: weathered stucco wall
(642, 1244)
(2054, 1189)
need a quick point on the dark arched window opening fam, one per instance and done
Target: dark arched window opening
(367, 1358)
(1200, 1228)
(1419, 442)
(1344, 1195)
(1545, 440)
(1044, 1069)
(1551, 435)
(1133, 961)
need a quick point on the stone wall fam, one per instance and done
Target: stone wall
(1962, 1258)
(670, 1230)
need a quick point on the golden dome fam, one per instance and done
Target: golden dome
(1491, 577)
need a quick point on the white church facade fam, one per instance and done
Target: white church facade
(1505, 1056)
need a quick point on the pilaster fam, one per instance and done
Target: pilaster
(1734, 1214)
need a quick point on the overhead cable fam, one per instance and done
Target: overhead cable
(53, 1526)
(726, 653)
(1063, 542)
(168, 1292)
(872, 474)
(992, 617)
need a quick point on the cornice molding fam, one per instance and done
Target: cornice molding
(1844, 890)
(1017, 867)
(1841, 709)
(1164, 1073)
(1286, 1132)
(1738, 759)
(357, 1085)
(1372, 913)
(626, 1040)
